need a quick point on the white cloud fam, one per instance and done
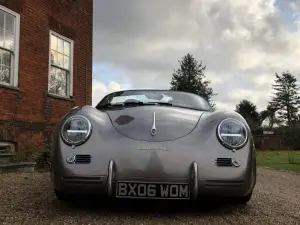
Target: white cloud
(243, 43)
(214, 78)
(222, 105)
(114, 86)
(262, 80)
(100, 90)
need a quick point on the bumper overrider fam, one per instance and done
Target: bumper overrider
(192, 188)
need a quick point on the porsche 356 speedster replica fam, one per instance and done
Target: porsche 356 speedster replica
(154, 144)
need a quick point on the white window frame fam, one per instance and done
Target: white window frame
(70, 83)
(11, 146)
(14, 79)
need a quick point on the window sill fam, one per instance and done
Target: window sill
(60, 97)
(9, 87)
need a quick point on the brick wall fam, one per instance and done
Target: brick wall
(29, 111)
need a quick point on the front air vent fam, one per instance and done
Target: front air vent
(224, 161)
(83, 158)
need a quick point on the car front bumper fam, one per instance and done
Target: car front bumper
(199, 187)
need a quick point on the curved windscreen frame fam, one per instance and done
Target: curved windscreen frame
(176, 98)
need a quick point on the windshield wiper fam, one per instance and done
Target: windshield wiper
(133, 103)
(159, 103)
(139, 103)
(123, 104)
(109, 105)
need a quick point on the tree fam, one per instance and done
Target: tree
(270, 114)
(286, 98)
(249, 111)
(190, 78)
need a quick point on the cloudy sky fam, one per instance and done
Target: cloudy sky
(137, 44)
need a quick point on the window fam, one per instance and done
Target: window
(6, 147)
(9, 46)
(61, 65)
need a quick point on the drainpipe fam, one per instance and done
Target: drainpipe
(86, 91)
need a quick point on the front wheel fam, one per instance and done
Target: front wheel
(242, 199)
(61, 196)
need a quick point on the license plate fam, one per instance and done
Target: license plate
(152, 190)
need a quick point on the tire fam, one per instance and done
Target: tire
(242, 199)
(62, 196)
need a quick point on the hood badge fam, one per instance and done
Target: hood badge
(152, 148)
(153, 129)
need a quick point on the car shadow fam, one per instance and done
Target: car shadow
(133, 207)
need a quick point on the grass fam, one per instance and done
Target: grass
(285, 160)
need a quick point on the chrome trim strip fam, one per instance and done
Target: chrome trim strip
(153, 129)
(195, 179)
(110, 177)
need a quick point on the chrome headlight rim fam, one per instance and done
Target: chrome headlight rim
(224, 143)
(87, 136)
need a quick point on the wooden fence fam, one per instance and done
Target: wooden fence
(270, 142)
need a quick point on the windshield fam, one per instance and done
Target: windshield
(174, 98)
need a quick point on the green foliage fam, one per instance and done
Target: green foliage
(249, 111)
(284, 160)
(41, 157)
(190, 78)
(292, 138)
(43, 160)
(292, 158)
(25, 156)
(270, 114)
(286, 99)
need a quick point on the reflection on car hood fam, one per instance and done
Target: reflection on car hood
(170, 122)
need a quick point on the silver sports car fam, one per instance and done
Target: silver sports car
(154, 144)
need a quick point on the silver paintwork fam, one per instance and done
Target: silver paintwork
(189, 139)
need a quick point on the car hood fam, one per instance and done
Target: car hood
(170, 122)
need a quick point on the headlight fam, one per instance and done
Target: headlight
(76, 130)
(232, 133)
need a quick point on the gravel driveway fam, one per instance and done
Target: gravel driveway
(28, 199)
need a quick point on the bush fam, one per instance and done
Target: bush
(43, 160)
(41, 157)
(25, 156)
(292, 158)
(293, 137)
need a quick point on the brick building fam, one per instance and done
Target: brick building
(45, 67)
